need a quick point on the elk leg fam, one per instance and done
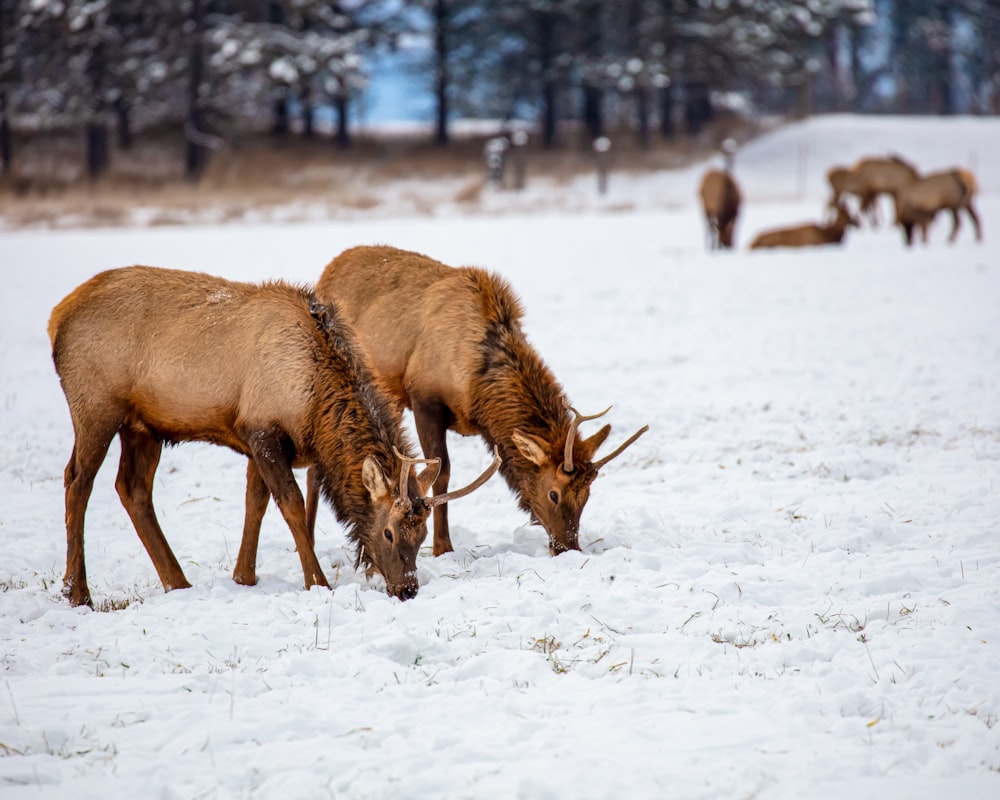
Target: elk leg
(245, 571)
(273, 461)
(89, 450)
(312, 502)
(431, 419)
(956, 223)
(139, 460)
(975, 222)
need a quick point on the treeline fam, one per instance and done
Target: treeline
(218, 68)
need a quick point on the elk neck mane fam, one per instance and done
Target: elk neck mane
(512, 388)
(353, 419)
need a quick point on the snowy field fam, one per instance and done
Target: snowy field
(789, 588)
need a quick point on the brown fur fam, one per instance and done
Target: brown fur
(448, 343)
(868, 179)
(918, 203)
(809, 235)
(720, 200)
(162, 356)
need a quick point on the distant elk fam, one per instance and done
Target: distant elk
(807, 235)
(163, 356)
(448, 343)
(720, 201)
(918, 203)
(868, 179)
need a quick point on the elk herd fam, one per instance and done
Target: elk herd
(318, 377)
(917, 199)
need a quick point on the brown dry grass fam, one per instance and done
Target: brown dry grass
(48, 185)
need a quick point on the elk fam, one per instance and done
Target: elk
(164, 356)
(448, 344)
(868, 179)
(918, 203)
(720, 200)
(808, 235)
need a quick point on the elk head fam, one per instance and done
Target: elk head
(561, 485)
(399, 526)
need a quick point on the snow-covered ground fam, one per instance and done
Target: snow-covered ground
(789, 588)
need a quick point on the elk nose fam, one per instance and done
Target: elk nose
(408, 593)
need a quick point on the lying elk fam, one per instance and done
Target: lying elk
(918, 203)
(161, 356)
(720, 200)
(448, 344)
(808, 235)
(868, 179)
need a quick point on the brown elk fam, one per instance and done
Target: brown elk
(808, 235)
(720, 200)
(448, 344)
(918, 203)
(162, 356)
(868, 179)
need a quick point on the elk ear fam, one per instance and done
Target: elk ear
(532, 448)
(428, 475)
(590, 445)
(374, 480)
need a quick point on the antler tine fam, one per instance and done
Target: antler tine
(404, 473)
(618, 452)
(438, 499)
(571, 436)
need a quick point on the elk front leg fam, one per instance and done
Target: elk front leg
(273, 459)
(431, 419)
(245, 571)
(139, 460)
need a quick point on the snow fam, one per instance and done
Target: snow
(789, 587)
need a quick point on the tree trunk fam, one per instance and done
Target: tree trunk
(593, 117)
(343, 136)
(97, 148)
(546, 49)
(667, 128)
(441, 77)
(124, 124)
(197, 154)
(279, 115)
(642, 113)
(5, 144)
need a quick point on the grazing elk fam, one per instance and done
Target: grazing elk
(918, 203)
(447, 343)
(162, 356)
(720, 200)
(868, 179)
(808, 235)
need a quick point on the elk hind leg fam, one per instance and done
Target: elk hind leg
(139, 460)
(245, 571)
(89, 449)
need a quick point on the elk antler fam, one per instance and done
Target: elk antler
(571, 436)
(438, 499)
(618, 452)
(404, 473)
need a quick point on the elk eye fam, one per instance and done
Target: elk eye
(554, 497)
(387, 534)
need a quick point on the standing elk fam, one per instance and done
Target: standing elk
(808, 235)
(918, 203)
(868, 179)
(162, 356)
(448, 344)
(720, 200)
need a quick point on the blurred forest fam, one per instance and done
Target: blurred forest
(207, 74)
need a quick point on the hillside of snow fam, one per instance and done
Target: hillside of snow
(789, 588)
